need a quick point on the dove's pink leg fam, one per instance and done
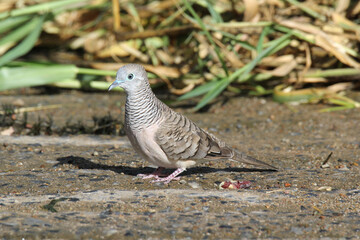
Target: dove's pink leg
(172, 176)
(156, 174)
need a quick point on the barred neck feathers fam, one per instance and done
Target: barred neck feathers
(142, 108)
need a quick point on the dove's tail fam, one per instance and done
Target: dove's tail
(243, 158)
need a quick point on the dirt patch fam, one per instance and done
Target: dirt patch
(86, 186)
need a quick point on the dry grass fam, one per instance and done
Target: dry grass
(194, 47)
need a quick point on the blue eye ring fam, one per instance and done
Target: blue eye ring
(130, 76)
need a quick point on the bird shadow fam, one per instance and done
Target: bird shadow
(83, 163)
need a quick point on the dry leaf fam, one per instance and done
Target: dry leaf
(115, 49)
(274, 61)
(251, 10)
(324, 41)
(7, 5)
(307, 80)
(342, 5)
(283, 69)
(184, 90)
(170, 72)
(164, 57)
(163, 71)
(336, 49)
(92, 36)
(124, 49)
(338, 87)
(356, 9)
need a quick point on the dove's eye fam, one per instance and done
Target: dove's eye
(130, 76)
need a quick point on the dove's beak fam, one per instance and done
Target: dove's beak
(114, 84)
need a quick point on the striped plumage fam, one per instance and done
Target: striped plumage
(142, 108)
(164, 137)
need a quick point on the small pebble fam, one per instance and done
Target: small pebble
(182, 181)
(326, 165)
(110, 232)
(95, 153)
(344, 168)
(325, 188)
(194, 185)
(231, 184)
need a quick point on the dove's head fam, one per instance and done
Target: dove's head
(130, 77)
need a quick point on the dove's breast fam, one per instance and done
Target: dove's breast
(143, 142)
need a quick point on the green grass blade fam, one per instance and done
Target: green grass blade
(332, 109)
(299, 34)
(337, 72)
(30, 64)
(244, 44)
(199, 90)
(263, 34)
(10, 23)
(18, 77)
(214, 14)
(76, 84)
(341, 102)
(307, 10)
(270, 50)
(207, 34)
(45, 7)
(217, 89)
(260, 91)
(238, 25)
(99, 72)
(26, 45)
(258, 77)
(241, 73)
(279, 46)
(19, 33)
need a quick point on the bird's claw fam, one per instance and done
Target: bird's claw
(156, 174)
(160, 177)
(165, 179)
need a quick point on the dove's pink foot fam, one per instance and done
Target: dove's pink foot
(156, 174)
(173, 176)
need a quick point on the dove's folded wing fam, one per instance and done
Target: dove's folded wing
(181, 139)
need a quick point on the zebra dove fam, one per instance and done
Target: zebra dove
(164, 137)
